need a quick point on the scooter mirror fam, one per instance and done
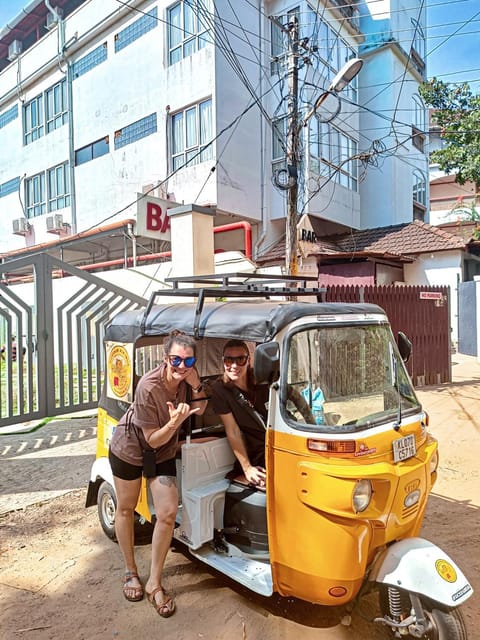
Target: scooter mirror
(404, 346)
(266, 363)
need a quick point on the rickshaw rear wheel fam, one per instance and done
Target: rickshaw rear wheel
(446, 623)
(107, 508)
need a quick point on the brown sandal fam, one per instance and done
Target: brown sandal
(138, 590)
(165, 608)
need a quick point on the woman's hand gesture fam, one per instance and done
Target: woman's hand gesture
(179, 413)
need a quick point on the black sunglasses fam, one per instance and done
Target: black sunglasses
(240, 360)
(176, 361)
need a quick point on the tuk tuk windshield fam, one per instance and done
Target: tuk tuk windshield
(345, 378)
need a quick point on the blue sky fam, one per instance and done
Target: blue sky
(452, 57)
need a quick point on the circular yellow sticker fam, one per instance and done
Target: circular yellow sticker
(446, 571)
(119, 371)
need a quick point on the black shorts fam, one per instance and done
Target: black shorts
(127, 471)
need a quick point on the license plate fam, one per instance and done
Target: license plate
(404, 448)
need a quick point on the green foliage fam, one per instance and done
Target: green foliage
(457, 113)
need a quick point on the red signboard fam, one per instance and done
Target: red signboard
(431, 295)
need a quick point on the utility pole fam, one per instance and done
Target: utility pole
(291, 240)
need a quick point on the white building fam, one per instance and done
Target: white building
(102, 100)
(393, 115)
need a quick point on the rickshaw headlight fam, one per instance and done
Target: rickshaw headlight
(362, 494)
(434, 462)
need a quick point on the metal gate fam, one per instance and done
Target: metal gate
(422, 313)
(52, 319)
(467, 318)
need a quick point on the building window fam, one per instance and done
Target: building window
(332, 49)
(279, 39)
(332, 154)
(56, 106)
(35, 195)
(418, 39)
(91, 60)
(33, 119)
(188, 28)
(50, 107)
(8, 116)
(418, 125)
(279, 144)
(11, 186)
(192, 131)
(135, 131)
(136, 30)
(91, 151)
(58, 187)
(419, 195)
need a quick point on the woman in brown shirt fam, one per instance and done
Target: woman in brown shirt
(151, 424)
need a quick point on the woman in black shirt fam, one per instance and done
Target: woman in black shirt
(242, 406)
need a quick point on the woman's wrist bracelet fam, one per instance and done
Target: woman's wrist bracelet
(198, 389)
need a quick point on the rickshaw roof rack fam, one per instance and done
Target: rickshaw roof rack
(234, 285)
(246, 281)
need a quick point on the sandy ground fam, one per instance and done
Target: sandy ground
(60, 577)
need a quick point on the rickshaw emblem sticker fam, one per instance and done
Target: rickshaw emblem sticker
(119, 371)
(446, 571)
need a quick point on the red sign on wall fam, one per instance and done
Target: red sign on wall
(431, 295)
(153, 220)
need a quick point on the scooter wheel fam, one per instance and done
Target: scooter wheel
(446, 623)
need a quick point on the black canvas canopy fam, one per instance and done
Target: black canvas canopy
(250, 320)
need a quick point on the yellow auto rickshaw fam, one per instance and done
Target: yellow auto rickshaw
(347, 481)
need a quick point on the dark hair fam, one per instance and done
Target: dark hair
(236, 343)
(181, 338)
(243, 345)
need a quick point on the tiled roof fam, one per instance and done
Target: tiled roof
(395, 241)
(402, 239)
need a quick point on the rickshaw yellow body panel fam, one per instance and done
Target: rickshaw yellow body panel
(310, 497)
(105, 427)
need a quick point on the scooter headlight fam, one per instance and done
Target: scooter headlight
(362, 494)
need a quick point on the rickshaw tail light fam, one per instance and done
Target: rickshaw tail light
(331, 446)
(337, 592)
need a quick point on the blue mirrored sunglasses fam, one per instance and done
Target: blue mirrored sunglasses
(176, 361)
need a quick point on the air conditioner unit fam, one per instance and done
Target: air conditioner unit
(52, 20)
(20, 226)
(14, 50)
(55, 223)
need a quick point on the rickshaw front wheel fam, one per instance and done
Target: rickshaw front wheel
(446, 623)
(107, 508)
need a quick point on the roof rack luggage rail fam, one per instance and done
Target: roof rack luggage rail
(233, 285)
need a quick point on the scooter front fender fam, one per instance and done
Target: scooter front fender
(419, 566)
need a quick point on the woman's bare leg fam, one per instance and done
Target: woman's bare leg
(127, 496)
(165, 499)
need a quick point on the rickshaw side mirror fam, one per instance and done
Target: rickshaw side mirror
(266, 363)
(404, 346)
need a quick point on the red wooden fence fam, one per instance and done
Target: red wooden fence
(422, 313)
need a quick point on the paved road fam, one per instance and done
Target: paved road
(47, 462)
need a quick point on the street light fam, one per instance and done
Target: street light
(346, 74)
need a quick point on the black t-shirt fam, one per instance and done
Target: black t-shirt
(225, 401)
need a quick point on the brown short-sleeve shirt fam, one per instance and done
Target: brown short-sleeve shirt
(148, 411)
